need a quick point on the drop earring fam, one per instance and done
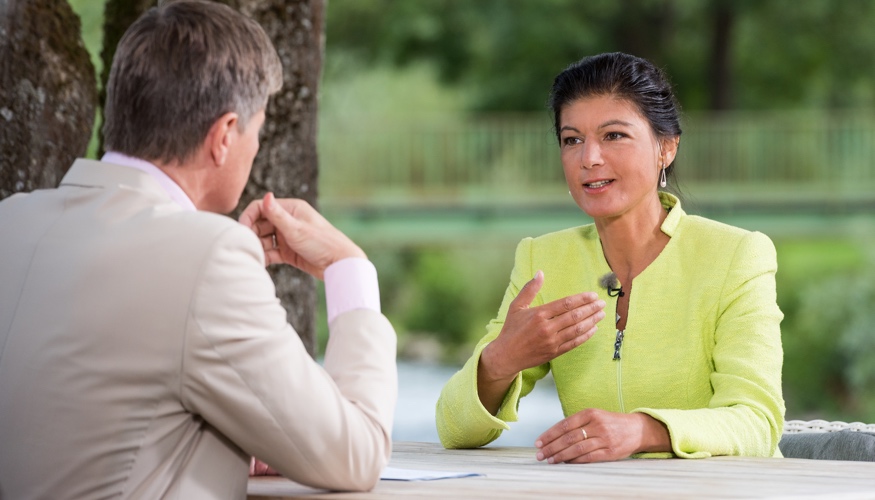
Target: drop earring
(662, 180)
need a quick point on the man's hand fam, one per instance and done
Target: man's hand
(259, 468)
(293, 232)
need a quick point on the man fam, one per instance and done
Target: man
(143, 351)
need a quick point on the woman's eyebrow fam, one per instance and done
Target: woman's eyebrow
(615, 122)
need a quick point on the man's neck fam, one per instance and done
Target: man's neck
(173, 184)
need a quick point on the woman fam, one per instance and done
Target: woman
(687, 357)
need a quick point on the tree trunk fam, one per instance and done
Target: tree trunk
(287, 163)
(645, 28)
(720, 67)
(47, 93)
(118, 15)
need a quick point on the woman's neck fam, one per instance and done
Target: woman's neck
(633, 240)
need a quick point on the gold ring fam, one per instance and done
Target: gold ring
(585, 437)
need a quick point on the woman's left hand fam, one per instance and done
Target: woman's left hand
(595, 435)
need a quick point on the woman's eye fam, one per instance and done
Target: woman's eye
(613, 136)
(570, 141)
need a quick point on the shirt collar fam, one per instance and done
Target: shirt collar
(671, 203)
(172, 188)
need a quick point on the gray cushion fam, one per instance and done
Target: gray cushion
(841, 445)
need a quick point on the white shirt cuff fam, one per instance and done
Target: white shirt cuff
(351, 284)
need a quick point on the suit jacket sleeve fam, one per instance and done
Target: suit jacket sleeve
(745, 415)
(247, 374)
(462, 420)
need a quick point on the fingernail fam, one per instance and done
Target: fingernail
(550, 460)
(268, 201)
(539, 456)
(538, 443)
(600, 303)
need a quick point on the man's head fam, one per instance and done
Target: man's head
(178, 69)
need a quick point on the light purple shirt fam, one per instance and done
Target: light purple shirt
(349, 283)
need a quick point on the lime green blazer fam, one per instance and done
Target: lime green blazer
(701, 349)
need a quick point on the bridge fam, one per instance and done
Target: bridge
(499, 177)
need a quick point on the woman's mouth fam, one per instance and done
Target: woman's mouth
(598, 184)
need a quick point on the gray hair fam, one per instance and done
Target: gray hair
(179, 68)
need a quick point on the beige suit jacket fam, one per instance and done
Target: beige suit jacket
(144, 354)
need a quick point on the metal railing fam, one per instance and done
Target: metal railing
(736, 157)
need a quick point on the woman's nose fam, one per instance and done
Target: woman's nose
(590, 155)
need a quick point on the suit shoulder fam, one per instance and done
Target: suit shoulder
(209, 229)
(712, 229)
(724, 238)
(577, 233)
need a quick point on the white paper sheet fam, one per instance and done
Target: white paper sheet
(396, 474)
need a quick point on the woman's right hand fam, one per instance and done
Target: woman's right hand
(532, 336)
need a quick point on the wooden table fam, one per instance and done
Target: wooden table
(512, 473)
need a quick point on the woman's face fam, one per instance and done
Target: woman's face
(610, 156)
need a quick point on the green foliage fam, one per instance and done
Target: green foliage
(90, 13)
(825, 289)
(857, 342)
(438, 304)
(782, 53)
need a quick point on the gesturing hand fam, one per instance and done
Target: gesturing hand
(293, 232)
(532, 336)
(595, 435)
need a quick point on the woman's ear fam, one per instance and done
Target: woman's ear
(221, 137)
(669, 149)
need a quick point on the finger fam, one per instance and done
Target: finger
(575, 421)
(251, 214)
(528, 292)
(570, 303)
(299, 209)
(269, 242)
(597, 455)
(583, 451)
(263, 227)
(272, 256)
(577, 340)
(571, 445)
(284, 222)
(589, 314)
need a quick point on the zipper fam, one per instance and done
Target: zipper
(617, 345)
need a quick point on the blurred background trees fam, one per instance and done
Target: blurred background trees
(436, 154)
(721, 54)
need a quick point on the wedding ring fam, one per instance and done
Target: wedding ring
(273, 239)
(585, 437)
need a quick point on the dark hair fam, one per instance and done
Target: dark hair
(180, 67)
(627, 77)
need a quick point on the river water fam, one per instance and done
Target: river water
(419, 386)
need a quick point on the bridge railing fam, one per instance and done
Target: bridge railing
(731, 158)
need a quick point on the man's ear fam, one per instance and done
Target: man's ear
(221, 137)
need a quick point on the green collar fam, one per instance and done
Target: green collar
(671, 203)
